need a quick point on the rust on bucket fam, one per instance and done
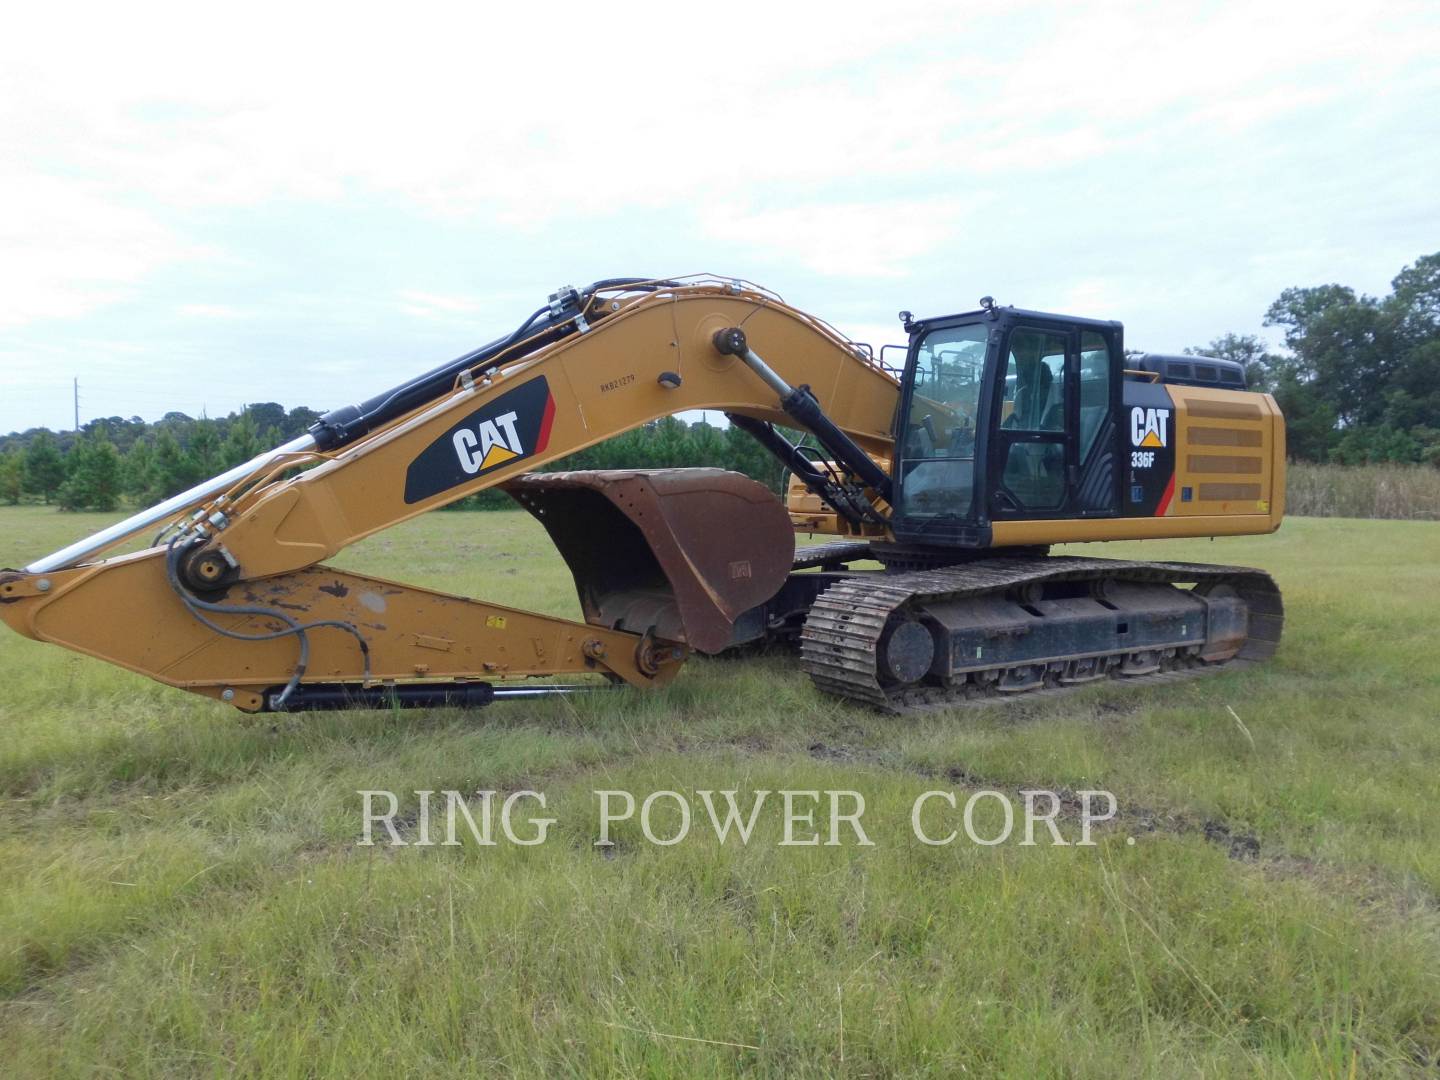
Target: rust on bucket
(681, 553)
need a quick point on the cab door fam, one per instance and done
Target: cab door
(1054, 448)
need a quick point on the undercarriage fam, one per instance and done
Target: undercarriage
(928, 639)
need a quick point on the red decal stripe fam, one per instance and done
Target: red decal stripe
(543, 439)
(1165, 499)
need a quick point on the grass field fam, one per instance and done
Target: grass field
(1407, 492)
(183, 893)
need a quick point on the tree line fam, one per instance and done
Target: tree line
(667, 443)
(113, 461)
(1358, 378)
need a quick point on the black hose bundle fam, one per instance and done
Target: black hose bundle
(198, 607)
(546, 324)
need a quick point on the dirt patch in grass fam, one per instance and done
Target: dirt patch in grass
(1371, 888)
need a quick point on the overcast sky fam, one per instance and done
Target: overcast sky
(206, 205)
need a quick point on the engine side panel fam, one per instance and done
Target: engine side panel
(1196, 461)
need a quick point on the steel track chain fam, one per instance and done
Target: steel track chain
(839, 642)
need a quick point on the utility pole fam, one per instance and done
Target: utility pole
(77, 405)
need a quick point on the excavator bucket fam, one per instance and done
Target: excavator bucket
(689, 555)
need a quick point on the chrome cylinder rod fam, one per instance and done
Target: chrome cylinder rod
(165, 511)
(517, 693)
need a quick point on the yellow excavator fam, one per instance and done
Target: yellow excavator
(1000, 433)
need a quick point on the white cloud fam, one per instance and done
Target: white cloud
(900, 156)
(67, 248)
(854, 239)
(425, 305)
(211, 311)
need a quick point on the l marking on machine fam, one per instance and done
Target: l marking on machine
(1149, 427)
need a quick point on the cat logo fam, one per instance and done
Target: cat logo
(1148, 426)
(495, 443)
(494, 437)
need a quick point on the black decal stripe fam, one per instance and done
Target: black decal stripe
(438, 468)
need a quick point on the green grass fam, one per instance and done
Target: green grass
(181, 891)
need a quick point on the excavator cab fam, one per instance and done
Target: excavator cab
(1006, 414)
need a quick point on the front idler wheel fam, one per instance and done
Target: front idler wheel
(906, 651)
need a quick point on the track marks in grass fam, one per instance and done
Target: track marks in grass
(944, 959)
(1370, 886)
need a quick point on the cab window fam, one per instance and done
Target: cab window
(1033, 410)
(1097, 373)
(1035, 382)
(937, 444)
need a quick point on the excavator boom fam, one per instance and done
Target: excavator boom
(218, 606)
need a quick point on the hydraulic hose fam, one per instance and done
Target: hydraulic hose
(547, 324)
(198, 607)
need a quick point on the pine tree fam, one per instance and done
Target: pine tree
(93, 482)
(241, 443)
(172, 470)
(205, 449)
(12, 476)
(707, 445)
(136, 474)
(44, 467)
